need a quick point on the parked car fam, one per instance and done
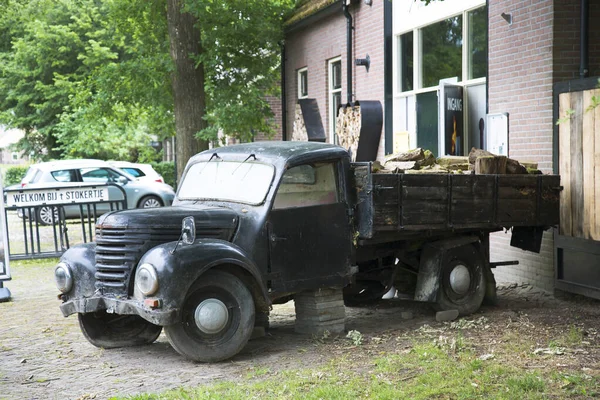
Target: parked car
(143, 172)
(140, 193)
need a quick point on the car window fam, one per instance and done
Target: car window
(307, 185)
(134, 171)
(65, 175)
(31, 174)
(98, 175)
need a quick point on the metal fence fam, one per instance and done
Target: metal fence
(56, 218)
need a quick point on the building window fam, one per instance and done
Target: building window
(406, 62)
(15, 156)
(335, 95)
(302, 83)
(477, 52)
(442, 51)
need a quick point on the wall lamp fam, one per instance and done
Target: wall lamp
(363, 61)
(507, 17)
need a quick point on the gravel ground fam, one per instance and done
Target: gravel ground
(44, 356)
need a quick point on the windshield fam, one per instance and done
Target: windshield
(241, 182)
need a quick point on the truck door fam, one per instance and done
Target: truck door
(309, 231)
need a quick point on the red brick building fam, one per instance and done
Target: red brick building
(505, 58)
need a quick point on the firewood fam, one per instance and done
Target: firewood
(474, 153)
(514, 167)
(451, 160)
(348, 124)
(411, 155)
(299, 132)
(399, 166)
(490, 165)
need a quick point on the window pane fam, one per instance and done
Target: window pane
(303, 83)
(406, 62)
(336, 73)
(307, 185)
(442, 51)
(478, 43)
(337, 103)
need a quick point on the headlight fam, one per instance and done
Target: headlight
(63, 277)
(146, 279)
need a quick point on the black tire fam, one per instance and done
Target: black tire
(150, 202)
(44, 215)
(112, 330)
(223, 339)
(364, 293)
(462, 284)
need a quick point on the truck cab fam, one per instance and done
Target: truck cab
(270, 220)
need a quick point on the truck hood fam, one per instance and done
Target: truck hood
(169, 218)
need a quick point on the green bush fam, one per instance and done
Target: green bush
(167, 170)
(14, 175)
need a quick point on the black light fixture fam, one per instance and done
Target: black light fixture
(507, 17)
(369, 2)
(363, 61)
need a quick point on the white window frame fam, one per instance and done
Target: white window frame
(331, 91)
(300, 72)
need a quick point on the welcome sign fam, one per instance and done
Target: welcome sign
(29, 198)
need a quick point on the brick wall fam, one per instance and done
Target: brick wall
(520, 83)
(275, 103)
(526, 58)
(313, 46)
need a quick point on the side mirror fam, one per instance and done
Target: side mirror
(122, 180)
(188, 230)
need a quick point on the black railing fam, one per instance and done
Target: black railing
(44, 230)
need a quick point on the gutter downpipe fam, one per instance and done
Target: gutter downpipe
(345, 5)
(583, 51)
(283, 99)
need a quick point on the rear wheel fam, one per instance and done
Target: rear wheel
(217, 319)
(462, 285)
(150, 202)
(112, 330)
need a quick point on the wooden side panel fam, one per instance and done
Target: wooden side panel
(425, 200)
(516, 200)
(589, 170)
(472, 199)
(386, 201)
(564, 156)
(595, 231)
(577, 164)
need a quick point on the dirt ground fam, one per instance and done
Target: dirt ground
(44, 356)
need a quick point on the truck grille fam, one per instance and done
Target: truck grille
(118, 251)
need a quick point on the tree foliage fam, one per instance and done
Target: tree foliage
(92, 78)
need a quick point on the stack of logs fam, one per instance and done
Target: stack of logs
(299, 132)
(347, 128)
(478, 162)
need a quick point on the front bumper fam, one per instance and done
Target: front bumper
(119, 306)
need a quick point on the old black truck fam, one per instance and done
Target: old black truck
(256, 224)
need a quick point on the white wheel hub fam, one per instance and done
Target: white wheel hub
(460, 279)
(211, 316)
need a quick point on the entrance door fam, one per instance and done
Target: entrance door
(309, 230)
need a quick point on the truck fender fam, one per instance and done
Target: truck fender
(178, 270)
(81, 260)
(430, 265)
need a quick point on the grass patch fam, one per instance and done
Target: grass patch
(426, 371)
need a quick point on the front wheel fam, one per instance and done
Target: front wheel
(112, 330)
(48, 215)
(462, 285)
(217, 319)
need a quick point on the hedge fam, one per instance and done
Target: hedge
(14, 175)
(167, 170)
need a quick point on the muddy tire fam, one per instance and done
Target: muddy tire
(217, 319)
(112, 330)
(462, 284)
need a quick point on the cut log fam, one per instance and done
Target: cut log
(400, 166)
(514, 167)
(429, 159)
(490, 165)
(451, 160)
(347, 128)
(411, 155)
(474, 153)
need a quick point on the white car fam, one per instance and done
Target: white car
(140, 194)
(143, 172)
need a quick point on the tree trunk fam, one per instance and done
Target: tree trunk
(188, 83)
